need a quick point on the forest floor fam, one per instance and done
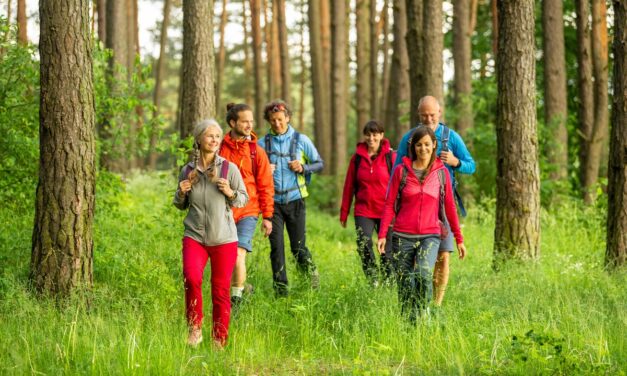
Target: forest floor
(561, 315)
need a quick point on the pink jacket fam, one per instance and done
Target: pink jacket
(372, 181)
(418, 213)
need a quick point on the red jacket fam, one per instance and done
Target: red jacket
(260, 188)
(418, 213)
(372, 181)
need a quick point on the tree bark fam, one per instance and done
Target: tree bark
(22, 37)
(398, 92)
(255, 15)
(374, 61)
(62, 248)
(363, 64)
(339, 93)
(303, 71)
(555, 102)
(462, 60)
(221, 60)
(586, 98)
(384, 29)
(275, 61)
(517, 232)
(248, 70)
(415, 49)
(197, 98)
(159, 77)
(495, 28)
(616, 251)
(101, 5)
(433, 42)
(320, 84)
(600, 89)
(286, 78)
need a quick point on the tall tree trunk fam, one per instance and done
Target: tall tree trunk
(325, 37)
(399, 76)
(384, 29)
(415, 49)
(159, 78)
(101, 6)
(267, 33)
(495, 28)
(555, 103)
(616, 251)
(517, 232)
(303, 70)
(374, 61)
(62, 248)
(433, 41)
(462, 59)
(22, 37)
(586, 98)
(319, 80)
(248, 70)
(197, 98)
(255, 15)
(472, 23)
(133, 53)
(363, 64)
(275, 61)
(600, 87)
(286, 78)
(221, 60)
(113, 130)
(339, 93)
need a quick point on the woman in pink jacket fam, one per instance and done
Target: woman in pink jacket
(367, 180)
(417, 231)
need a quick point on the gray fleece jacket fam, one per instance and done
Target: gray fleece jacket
(210, 218)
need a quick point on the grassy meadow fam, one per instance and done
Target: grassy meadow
(562, 315)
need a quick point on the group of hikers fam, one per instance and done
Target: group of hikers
(236, 177)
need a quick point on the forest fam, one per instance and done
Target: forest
(97, 123)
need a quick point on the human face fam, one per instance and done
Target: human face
(424, 148)
(429, 112)
(210, 140)
(278, 122)
(244, 124)
(373, 140)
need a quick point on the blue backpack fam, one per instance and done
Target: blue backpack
(292, 152)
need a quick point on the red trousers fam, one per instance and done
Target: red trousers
(223, 259)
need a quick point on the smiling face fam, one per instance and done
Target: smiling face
(429, 112)
(424, 148)
(373, 140)
(209, 140)
(278, 121)
(243, 126)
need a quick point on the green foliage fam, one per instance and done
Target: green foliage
(19, 120)
(565, 313)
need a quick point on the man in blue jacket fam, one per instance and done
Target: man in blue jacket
(457, 159)
(293, 158)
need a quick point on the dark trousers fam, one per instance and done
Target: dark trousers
(414, 260)
(292, 215)
(364, 227)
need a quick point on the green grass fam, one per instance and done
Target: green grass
(562, 315)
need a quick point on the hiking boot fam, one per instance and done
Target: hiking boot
(236, 301)
(315, 280)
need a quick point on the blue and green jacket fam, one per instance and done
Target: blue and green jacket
(289, 185)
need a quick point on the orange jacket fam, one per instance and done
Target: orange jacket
(260, 188)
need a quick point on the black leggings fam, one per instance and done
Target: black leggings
(364, 227)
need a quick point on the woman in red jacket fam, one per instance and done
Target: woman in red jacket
(416, 235)
(367, 179)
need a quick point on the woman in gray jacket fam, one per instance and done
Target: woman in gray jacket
(209, 186)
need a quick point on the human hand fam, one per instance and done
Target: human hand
(381, 246)
(266, 227)
(224, 187)
(343, 223)
(461, 249)
(272, 168)
(184, 187)
(295, 166)
(449, 158)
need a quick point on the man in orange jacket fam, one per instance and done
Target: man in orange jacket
(240, 147)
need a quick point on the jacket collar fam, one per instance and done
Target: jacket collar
(362, 148)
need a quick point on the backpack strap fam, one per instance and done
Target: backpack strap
(224, 169)
(401, 186)
(388, 160)
(266, 143)
(356, 163)
(446, 132)
(441, 211)
(294, 145)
